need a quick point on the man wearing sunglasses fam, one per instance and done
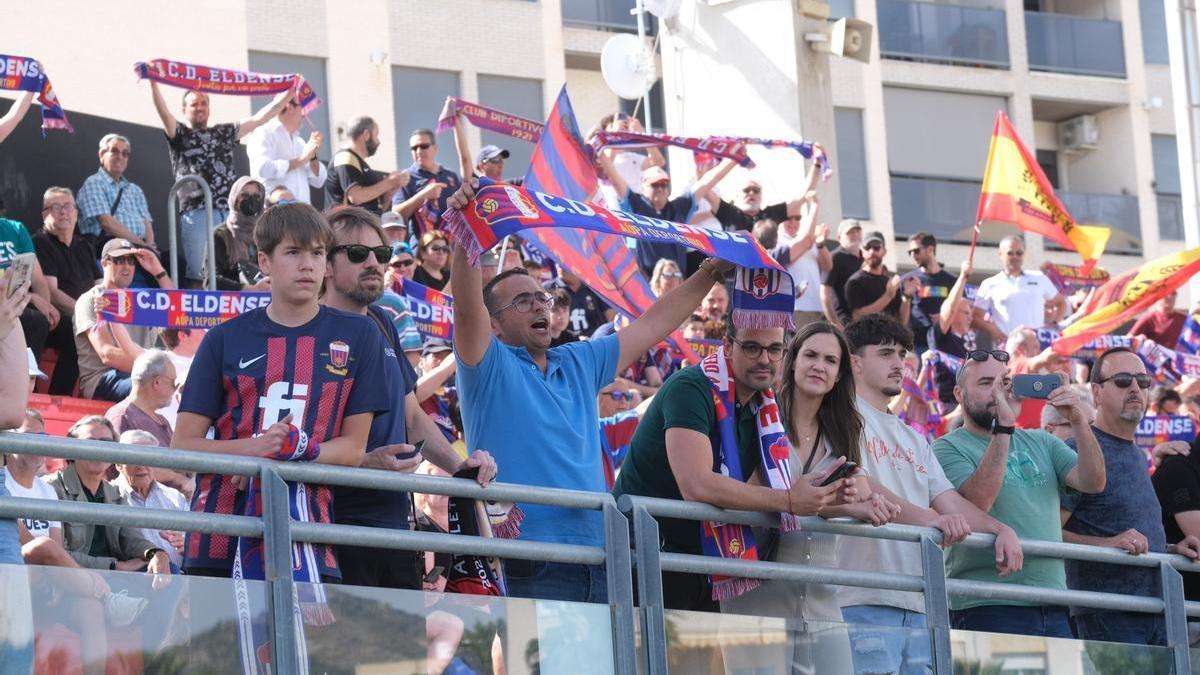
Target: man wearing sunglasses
(1016, 475)
(353, 282)
(750, 210)
(876, 290)
(1015, 297)
(1126, 514)
(424, 198)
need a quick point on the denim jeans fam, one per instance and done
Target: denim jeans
(16, 649)
(560, 581)
(888, 640)
(194, 234)
(114, 385)
(1041, 620)
(1140, 629)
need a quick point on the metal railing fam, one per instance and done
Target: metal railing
(1073, 44)
(278, 531)
(173, 235)
(944, 33)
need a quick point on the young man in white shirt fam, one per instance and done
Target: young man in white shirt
(1014, 296)
(900, 465)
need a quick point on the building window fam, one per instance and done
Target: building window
(418, 95)
(1167, 186)
(313, 70)
(839, 9)
(1154, 31)
(519, 96)
(851, 163)
(1048, 160)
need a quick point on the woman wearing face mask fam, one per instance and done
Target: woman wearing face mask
(235, 253)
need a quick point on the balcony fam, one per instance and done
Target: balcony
(609, 15)
(1120, 212)
(1059, 43)
(942, 33)
(943, 207)
(1170, 217)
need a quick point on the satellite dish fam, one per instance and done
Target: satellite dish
(628, 66)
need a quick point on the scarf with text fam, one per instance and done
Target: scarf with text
(488, 119)
(471, 574)
(1165, 364)
(763, 295)
(1070, 278)
(431, 309)
(225, 81)
(176, 307)
(1189, 337)
(727, 540)
(1156, 429)
(21, 73)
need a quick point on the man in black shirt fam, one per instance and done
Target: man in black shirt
(935, 283)
(874, 289)
(1177, 484)
(69, 263)
(351, 181)
(847, 259)
(750, 210)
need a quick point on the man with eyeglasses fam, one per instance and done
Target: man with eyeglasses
(278, 156)
(534, 407)
(876, 290)
(109, 204)
(423, 199)
(934, 286)
(65, 268)
(1125, 514)
(1015, 297)
(353, 282)
(107, 350)
(1017, 475)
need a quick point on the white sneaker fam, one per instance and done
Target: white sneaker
(122, 610)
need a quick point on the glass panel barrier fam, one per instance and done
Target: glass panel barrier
(1070, 44)
(1023, 654)
(379, 630)
(925, 31)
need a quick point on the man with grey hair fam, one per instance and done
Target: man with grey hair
(140, 488)
(351, 182)
(153, 378)
(110, 205)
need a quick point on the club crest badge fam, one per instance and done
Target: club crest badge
(339, 357)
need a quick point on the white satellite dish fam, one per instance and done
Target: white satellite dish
(628, 66)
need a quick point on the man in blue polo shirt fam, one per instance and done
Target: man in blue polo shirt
(424, 198)
(534, 409)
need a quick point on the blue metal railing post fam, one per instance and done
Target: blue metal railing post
(937, 604)
(1171, 585)
(650, 595)
(619, 571)
(281, 587)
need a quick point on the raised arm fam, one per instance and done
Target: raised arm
(267, 113)
(709, 180)
(169, 123)
(14, 115)
(465, 167)
(664, 316)
(810, 186)
(946, 314)
(472, 324)
(984, 485)
(614, 177)
(810, 209)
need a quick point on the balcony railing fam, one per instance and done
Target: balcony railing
(943, 207)
(1119, 212)
(1170, 217)
(610, 15)
(1071, 44)
(925, 31)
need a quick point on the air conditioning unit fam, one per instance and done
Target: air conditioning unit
(1078, 133)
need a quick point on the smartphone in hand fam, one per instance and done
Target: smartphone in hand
(841, 472)
(1035, 386)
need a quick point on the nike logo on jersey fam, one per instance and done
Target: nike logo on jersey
(247, 364)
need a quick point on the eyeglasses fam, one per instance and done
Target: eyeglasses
(621, 395)
(122, 260)
(438, 248)
(523, 303)
(671, 275)
(981, 355)
(397, 264)
(751, 190)
(357, 253)
(1123, 380)
(421, 146)
(755, 350)
(60, 208)
(120, 153)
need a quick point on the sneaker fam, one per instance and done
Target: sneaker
(122, 610)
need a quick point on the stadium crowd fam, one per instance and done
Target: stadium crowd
(544, 384)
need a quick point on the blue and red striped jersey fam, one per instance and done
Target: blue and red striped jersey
(249, 373)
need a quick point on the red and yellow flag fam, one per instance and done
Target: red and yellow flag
(1016, 191)
(1127, 295)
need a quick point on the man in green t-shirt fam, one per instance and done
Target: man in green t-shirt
(672, 455)
(1015, 475)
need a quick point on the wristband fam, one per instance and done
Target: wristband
(998, 429)
(161, 275)
(297, 447)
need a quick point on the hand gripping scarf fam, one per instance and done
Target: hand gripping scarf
(309, 603)
(21, 73)
(468, 573)
(727, 540)
(224, 80)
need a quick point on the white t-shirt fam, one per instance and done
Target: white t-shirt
(39, 490)
(894, 454)
(1016, 301)
(806, 273)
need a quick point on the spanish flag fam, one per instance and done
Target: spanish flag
(1128, 295)
(1016, 191)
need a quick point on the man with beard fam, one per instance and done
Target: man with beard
(1126, 514)
(874, 289)
(353, 282)
(1016, 475)
(351, 182)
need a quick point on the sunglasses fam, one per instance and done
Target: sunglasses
(621, 395)
(671, 275)
(357, 253)
(874, 246)
(494, 160)
(1123, 380)
(751, 191)
(982, 355)
(398, 264)
(421, 146)
(438, 249)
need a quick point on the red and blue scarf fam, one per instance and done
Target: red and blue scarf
(21, 73)
(727, 540)
(224, 81)
(489, 119)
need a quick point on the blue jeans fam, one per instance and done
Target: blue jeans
(16, 653)
(1042, 620)
(560, 581)
(1140, 629)
(194, 234)
(114, 385)
(898, 644)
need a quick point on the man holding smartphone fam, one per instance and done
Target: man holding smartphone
(353, 282)
(1016, 475)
